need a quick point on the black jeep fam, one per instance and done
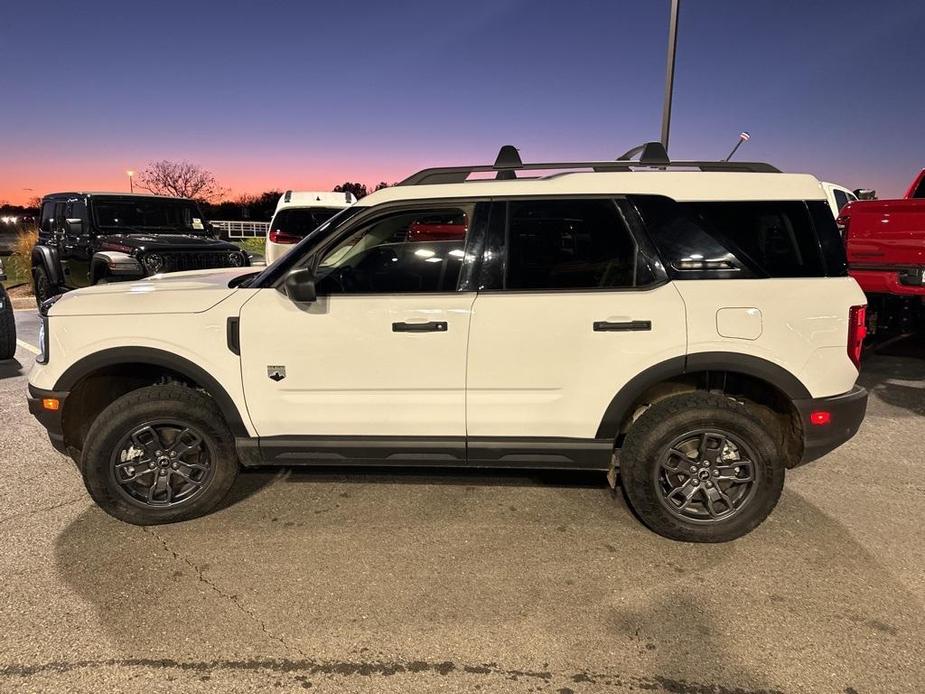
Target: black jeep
(89, 238)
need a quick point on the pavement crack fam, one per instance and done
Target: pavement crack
(218, 590)
(305, 667)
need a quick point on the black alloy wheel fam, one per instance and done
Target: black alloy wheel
(162, 463)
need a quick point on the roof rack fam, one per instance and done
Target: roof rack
(508, 163)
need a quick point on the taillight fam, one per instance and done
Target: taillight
(857, 331)
(277, 236)
(842, 222)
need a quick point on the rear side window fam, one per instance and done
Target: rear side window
(300, 221)
(724, 240)
(841, 198)
(571, 244)
(920, 189)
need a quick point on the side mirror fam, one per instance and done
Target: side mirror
(75, 227)
(300, 286)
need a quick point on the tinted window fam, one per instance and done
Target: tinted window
(920, 190)
(830, 240)
(841, 198)
(571, 244)
(48, 216)
(298, 221)
(77, 210)
(733, 239)
(416, 251)
(148, 213)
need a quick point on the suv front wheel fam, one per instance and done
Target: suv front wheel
(701, 468)
(159, 454)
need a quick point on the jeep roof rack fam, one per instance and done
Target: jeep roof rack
(508, 163)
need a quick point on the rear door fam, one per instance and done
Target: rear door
(571, 306)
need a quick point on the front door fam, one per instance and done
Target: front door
(376, 365)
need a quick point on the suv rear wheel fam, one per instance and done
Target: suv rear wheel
(42, 286)
(158, 455)
(701, 468)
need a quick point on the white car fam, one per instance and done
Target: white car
(837, 196)
(694, 331)
(297, 214)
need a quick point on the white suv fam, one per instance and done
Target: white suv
(689, 326)
(297, 214)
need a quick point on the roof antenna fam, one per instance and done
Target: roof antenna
(507, 162)
(743, 137)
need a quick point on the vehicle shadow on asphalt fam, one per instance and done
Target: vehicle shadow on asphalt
(470, 573)
(895, 374)
(10, 368)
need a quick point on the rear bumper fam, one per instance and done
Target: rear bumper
(896, 281)
(52, 420)
(846, 412)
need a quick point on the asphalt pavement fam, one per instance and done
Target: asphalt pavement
(407, 581)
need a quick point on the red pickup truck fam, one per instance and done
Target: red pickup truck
(885, 243)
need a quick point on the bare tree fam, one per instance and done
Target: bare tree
(180, 179)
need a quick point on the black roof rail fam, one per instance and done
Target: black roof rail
(651, 154)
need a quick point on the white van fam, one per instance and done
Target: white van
(297, 214)
(837, 196)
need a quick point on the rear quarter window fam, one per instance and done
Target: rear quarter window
(741, 240)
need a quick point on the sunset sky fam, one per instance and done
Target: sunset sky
(305, 95)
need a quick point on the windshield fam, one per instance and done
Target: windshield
(287, 261)
(301, 221)
(151, 214)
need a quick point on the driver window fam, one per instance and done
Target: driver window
(404, 252)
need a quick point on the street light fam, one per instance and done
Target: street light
(669, 75)
(131, 187)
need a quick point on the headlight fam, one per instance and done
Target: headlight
(236, 259)
(153, 263)
(42, 357)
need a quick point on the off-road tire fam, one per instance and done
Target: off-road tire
(170, 401)
(649, 438)
(7, 326)
(42, 287)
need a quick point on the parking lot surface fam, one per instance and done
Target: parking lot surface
(399, 581)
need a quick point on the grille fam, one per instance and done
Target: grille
(177, 262)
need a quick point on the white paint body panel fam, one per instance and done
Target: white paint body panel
(537, 368)
(804, 325)
(347, 372)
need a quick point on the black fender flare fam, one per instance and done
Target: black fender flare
(47, 257)
(150, 356)
(699, 362)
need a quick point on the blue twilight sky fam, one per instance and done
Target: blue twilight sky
(304, 94)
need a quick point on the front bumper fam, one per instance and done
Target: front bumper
(52, 420)
(846, 412)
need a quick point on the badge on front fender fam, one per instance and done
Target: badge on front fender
(277, 373)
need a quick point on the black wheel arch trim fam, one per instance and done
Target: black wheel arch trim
(47, 258)
(698, 362)
(155, 357)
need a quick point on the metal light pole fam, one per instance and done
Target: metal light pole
(669, 76)
(131, 186)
